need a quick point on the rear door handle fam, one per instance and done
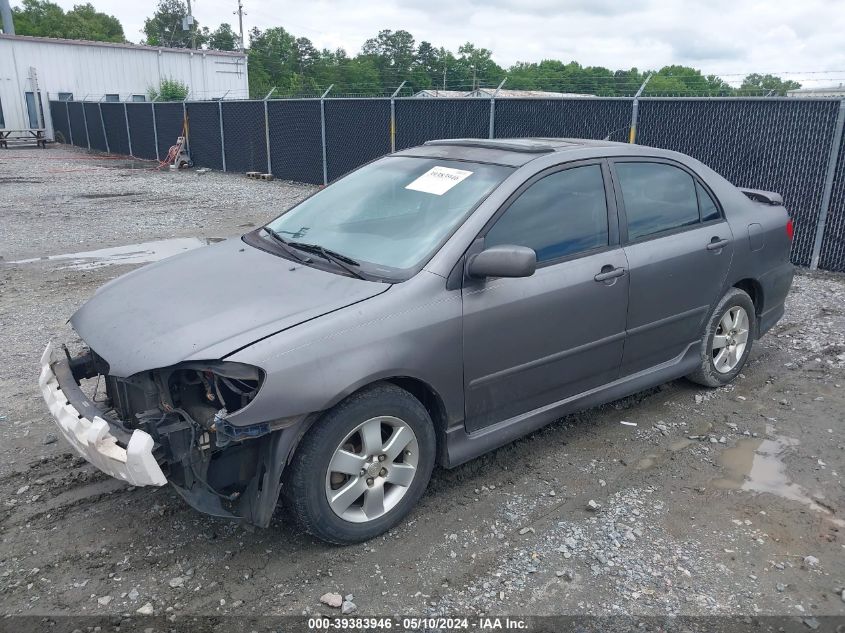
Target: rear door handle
(608, 272)
(716, 244)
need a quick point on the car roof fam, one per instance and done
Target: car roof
(516, 152)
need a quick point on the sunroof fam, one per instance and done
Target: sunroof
(526, 147)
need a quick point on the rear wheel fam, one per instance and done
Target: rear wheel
(727, 340)
(363, 466)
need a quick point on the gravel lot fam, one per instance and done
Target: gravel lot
(726, 501)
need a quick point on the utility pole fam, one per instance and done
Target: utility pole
(240, 14)
(6, 12)
(190, 22)
(444, 74)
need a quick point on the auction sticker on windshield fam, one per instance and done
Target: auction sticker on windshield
(438, 180)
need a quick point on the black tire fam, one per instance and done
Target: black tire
(304, 487)
(707, 374)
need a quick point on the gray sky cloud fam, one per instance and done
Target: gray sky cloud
(727, 37)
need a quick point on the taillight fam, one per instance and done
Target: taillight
(790, 228)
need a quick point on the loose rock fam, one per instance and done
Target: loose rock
(334, 600)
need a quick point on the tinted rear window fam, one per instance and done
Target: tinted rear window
(658, 197)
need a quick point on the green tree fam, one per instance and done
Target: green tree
(755, 84)
(223, 38)
(164, 28)
(392, 53)
(684, 81)
(46, 19)
(474, 67)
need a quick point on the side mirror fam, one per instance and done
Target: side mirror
(503, 261)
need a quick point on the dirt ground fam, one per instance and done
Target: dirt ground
(726, 501)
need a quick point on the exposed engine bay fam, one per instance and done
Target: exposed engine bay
(218, 468)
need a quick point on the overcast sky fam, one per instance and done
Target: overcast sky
(727, 37)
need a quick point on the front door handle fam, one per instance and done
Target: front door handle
(609, 272)
(717, 244)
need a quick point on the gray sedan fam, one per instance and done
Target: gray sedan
(427, 308)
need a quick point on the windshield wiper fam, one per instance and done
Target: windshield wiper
(340, 260)
(285, 244)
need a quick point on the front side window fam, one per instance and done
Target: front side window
(561, 214)
(393, 213)
(658, 197)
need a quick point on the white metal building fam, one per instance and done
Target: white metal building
(33, 67)
(812, 93)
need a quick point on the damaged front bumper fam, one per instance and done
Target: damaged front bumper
(121, 453)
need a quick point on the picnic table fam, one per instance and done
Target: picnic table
(29, 134)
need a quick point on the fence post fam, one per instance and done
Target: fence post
(323, 134)
(222, 139)
(492, 133)
(186, 125)
(635, 110)
(85, 120)
(103, 123)
(128, 133)
(155, 127)
(69, 128)
(267, 131)
(828, 185)
(393, 118)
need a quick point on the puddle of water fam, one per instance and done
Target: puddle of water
(756, 465)
(142, 253)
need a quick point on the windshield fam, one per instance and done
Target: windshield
(393, 213)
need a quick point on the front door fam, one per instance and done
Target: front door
(534, 341)
(679, 249)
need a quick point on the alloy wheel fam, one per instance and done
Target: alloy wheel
(372, 469)
(730, 339)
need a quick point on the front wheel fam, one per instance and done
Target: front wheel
(727, 340)
(362, 466)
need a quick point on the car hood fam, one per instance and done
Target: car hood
(207, 303)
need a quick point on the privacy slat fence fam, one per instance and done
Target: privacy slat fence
(793, 146)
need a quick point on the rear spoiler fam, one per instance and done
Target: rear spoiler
(765, 197)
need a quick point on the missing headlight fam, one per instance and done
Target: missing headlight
(205, 388)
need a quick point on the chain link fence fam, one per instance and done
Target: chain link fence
(778, 145)
(420, 120)
(296, 140)
(205, 127)
(94, 127)
(832, 254)
(61, 122)
(77, 123)
(570, 118)
(792, 146)
(169, 123)
(357, 131)
(116, 128)
(245, 136)
(140, 119)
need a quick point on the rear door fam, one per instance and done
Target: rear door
(534, 341)
(679, 248)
